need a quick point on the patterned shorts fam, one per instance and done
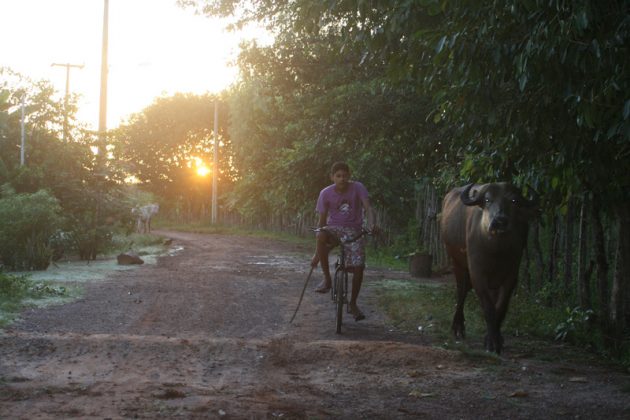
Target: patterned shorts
(355, 251)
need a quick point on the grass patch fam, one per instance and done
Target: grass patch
(423, 308)
(19, 291)
(428, 309)
(385, 258)
(530, 318)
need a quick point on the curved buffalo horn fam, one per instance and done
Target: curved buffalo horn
(466, 199)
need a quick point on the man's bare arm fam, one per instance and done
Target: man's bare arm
(369, 213)
(323, 218)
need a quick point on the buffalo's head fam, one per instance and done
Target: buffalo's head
(502, 204)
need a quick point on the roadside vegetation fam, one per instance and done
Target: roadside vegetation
(18, 291)
(541, 331)
(63, 283)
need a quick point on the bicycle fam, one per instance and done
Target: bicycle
(339, 289)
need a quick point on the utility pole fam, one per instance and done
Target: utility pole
(102, 115)
(22, 132)
(215, 168)
(102, 135)
(65, 100)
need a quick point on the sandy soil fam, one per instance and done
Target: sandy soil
(204, 333)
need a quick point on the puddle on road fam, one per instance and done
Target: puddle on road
(61, 273)
(81, 271)
(267, 260)
(292, 262)
(267, 263)
(174, 250)
(84, 271)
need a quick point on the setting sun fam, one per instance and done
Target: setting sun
(199, 166)
(203, 170)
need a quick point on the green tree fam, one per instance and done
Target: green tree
(90, 199)
(309, 100)
(158, 146)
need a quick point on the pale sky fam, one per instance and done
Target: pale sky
(155, 48)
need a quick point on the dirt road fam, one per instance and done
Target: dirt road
(204, 333)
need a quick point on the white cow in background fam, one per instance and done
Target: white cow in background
(143, 216)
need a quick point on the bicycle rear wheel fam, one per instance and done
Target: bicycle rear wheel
(340, 297)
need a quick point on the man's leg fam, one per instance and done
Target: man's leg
(323, 247)
(356, 256)
(357, 280)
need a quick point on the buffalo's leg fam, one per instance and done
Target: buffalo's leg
(501, 307)
(462, 277)
(492, 340)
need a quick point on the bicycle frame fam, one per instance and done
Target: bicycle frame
(339, 289)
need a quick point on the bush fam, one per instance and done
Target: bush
(13, 286)
(93, 225)
(90, 241)
(577, 322)
(27, 222)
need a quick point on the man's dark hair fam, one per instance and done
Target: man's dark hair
(339, 166)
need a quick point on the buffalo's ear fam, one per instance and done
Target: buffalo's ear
(467, 200)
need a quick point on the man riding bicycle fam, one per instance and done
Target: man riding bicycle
(341, 208)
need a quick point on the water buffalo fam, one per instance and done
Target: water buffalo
(143, 215)
(484, 228)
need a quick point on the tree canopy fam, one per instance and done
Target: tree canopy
(60, 179)
(163, 145)
(535, 92)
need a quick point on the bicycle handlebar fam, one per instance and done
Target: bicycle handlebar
(342, 240)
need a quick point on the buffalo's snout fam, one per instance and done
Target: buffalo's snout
(499, 224)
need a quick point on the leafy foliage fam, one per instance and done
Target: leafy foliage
(161, 146)
(27, 223)
(304, 103)
(577, 319)
(13, 286)
(91, 203)
(532, 91)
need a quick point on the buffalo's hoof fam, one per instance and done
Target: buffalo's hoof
(459, 331)
(459, 334)
(493, 345)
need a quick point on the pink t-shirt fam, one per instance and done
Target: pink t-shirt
(343, 209)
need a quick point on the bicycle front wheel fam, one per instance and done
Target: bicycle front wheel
(340, 298)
